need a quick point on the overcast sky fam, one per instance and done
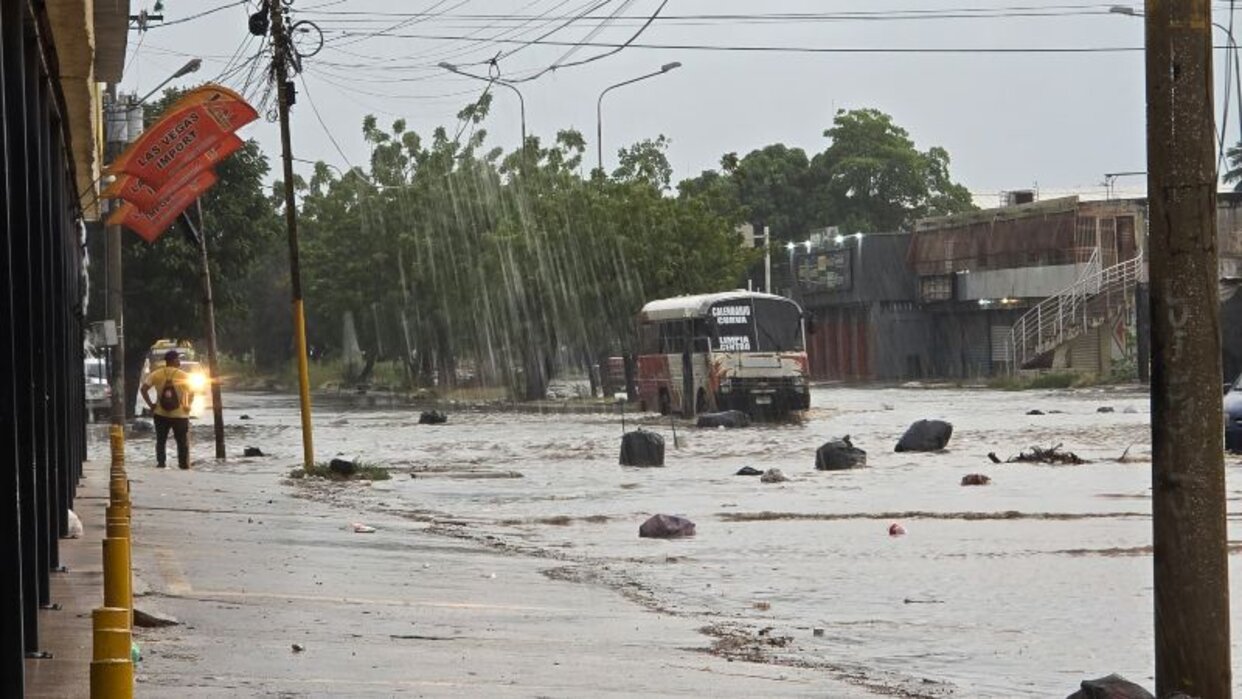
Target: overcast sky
(1009, 121)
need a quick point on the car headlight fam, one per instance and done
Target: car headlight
(197, 382)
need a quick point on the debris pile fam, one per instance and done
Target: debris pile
(1039, 455)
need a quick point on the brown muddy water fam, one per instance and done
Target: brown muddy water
(1021, 588)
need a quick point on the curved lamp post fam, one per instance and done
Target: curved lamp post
(521, 102)
(599, 115)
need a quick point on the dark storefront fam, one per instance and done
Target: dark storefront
(41, 353)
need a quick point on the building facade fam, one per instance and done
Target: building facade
(53, 55)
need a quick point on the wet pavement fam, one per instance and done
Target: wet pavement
(1020, 588)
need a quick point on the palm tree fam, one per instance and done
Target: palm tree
(1234, 174)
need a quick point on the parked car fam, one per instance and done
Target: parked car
(1233, 416)
(98, 390)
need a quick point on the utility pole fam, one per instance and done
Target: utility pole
(209, 314)
(115, 296)
(767, 260)
(281, 49)
(1191, 565)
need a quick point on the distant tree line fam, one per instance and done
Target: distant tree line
(516, 262)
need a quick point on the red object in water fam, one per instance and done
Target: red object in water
(896, 529)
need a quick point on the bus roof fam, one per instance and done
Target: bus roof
(681, 307)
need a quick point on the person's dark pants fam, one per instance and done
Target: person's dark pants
(180, 427)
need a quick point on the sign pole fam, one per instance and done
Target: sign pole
(209, 315)
(284, 88)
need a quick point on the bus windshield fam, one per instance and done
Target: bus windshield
(756, 325)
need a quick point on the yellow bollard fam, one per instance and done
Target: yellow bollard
(110, 618)
(118, 510)
(117, 529)
(117, 589)
(118, 489)
(112, 679)
(112, 644)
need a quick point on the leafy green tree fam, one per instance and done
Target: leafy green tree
(512, 262)
(872, 178)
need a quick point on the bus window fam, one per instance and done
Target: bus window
(778, 326)
(648, 338)
(672, 337)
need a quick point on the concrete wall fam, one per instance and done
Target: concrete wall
(1023, 282)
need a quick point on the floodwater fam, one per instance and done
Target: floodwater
(1020, 588)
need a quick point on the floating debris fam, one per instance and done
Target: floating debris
(1039, 455)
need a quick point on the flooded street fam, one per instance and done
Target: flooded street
(1020, 588)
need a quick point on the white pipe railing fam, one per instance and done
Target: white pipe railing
(1058, 319)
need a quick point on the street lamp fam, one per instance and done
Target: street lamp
(521, 102)
(1231, 44)
(599, 116)
(191, 66)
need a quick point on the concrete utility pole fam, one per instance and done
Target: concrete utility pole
(1191, 565)
(209, 308)
(281, 49)
(115, 306)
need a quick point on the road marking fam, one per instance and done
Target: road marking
(176, 583)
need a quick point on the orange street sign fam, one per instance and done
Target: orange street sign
(151, 223)
(193, 125)
(142, 195)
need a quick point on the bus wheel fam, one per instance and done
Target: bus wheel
(665, 403)
(700, 402)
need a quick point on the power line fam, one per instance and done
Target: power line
(802, 49)
(204, 13)
(327, 132)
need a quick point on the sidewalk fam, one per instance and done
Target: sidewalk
(255, 574)
(66, 633)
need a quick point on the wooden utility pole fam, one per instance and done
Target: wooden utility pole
(209, 314)
(1191, 565)
(281, 50)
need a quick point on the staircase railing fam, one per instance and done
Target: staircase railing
(1087, 303)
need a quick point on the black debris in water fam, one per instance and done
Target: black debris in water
(253, 451)
(839, 455)
(926, 435)
(748, 471)
(666, 527)
(1034, 412)
(343, 467)
(642, 448)
(1105, 409)
(1112, 687)
(976, 479)
(432, 417)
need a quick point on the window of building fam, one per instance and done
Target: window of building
(937, 288)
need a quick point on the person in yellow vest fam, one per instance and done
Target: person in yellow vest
(171, 407)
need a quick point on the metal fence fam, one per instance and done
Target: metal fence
(42, 411)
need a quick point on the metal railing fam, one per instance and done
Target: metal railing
(1087, 303)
